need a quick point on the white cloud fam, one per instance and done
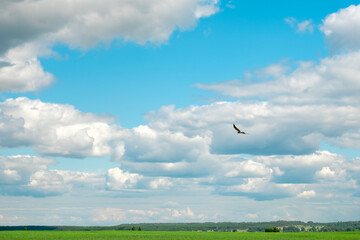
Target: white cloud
(285, 176)
(138, 21)
(334, 80)
(69, 22)
(182, 215)
(55, 129)
(117, 179)
(304, 168)
(47, 183)
(27, 25)
(109, 215)
(187, 212)
(199, 168)
(30, 176)
(145, 144)
(342, 29)
(261, 189)
(248, 168)
(138, 215)
(206, 9)
(307, 194)
(301, 27)
(81, 179)
(162, 183)
(326, 172)
(17, 170)
(305, 26)
(8, 176)
(23, 71)
(317, 159)
(270, 72)
(272, 128)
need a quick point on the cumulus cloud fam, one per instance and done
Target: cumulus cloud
(327, 172)
(30, 176)
(285, 176)
(183, 213)
(26, 25)
(117, 179)
(341, 29)
(69, 22)
(303, 168)
(161, 183)
(307, 194)
(261, 189)
(18, 169)
(21, 70)
(47, 183)
(248, 168)
(54, 129)
(145, 144)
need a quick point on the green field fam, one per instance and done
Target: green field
(158, 235)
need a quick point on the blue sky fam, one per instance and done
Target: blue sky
(120, 111)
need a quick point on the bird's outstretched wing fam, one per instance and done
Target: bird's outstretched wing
(238, 130)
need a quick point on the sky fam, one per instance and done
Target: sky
(120, 111)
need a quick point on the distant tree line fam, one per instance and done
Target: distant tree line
(285, 226)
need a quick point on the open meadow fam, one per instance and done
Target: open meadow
(161, 235)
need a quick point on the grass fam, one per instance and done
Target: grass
(158, 235)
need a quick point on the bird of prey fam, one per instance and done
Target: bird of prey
(238, 130)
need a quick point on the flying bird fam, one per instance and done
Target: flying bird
(238, 130)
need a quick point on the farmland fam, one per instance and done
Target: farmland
(177, 235)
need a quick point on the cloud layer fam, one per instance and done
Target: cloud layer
(288, 114)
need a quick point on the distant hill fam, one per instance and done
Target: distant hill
(285, 226)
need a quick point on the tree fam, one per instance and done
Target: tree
(274, 229)
(139, 229)
(133, 228)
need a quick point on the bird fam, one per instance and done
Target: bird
(238, 130)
